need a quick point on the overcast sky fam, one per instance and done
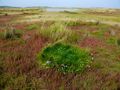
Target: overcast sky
(62, 3)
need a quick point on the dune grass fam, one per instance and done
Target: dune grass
(11, 33)
(58, 31)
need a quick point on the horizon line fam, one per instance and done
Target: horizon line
(57, 7)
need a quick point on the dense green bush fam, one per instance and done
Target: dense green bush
(65, 58)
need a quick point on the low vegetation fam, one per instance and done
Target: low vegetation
(11, 33)
(58, 32)
(42, 50)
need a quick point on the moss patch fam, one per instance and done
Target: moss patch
(65, 58)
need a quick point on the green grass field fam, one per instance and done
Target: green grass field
(65, 50)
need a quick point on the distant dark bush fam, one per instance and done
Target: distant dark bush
(98, 22)
(6, 14)
(65, 58)
(70, 12)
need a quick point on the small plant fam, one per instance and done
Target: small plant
(65, 58)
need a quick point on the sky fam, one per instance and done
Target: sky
(62, 3)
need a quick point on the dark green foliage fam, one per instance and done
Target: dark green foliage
(70, 12)
(65, 58)
(118, 42)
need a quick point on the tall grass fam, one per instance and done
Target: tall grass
(58, 31)
(11, 33)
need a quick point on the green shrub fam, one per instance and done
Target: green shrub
(65, 58)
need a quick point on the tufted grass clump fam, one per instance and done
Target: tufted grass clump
(65, 58)
(12, 33)
(58, 32)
